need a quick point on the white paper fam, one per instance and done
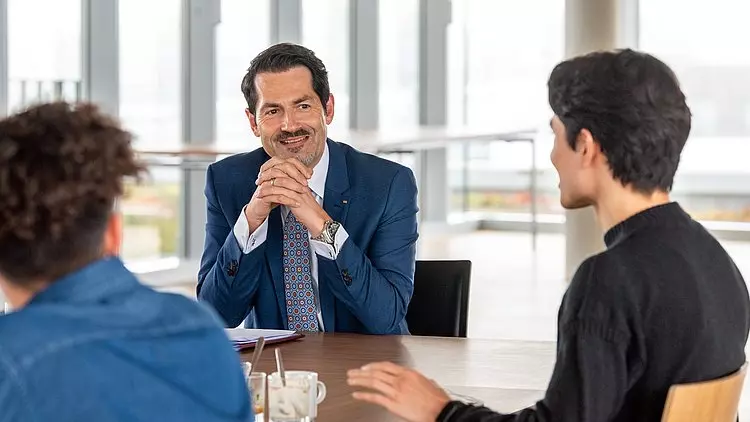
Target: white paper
(247, 334)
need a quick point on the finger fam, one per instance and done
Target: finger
(286, 170)
(373, 384)
(287, 183)
(380, 375)
(282, 200)
(375, 398)
(294, 161)
(270, 164)
(268, 175)
(388, 367)
(276, 174)
(306, 171)
(269, 189)
(293, 171)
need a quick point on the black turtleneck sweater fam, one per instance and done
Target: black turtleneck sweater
(664, 304)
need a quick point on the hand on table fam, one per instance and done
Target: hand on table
(402, 391)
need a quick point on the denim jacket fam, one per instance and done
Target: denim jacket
(97, 345)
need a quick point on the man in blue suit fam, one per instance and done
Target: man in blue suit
(306, 233)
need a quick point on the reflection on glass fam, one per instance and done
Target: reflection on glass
(493, 178)
(502, 88)
(325, 30)
(713, 181)
(151, 217)
(44, 51)
(242, 34)
(506, 84)
(150, 70)
(398, 62)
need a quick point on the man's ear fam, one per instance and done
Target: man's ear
(253, 122)
(329, 109)
(588, 147)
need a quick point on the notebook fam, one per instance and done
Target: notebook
(245, 338)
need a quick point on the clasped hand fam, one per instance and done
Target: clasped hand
(285, 182)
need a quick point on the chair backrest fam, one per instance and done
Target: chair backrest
(440, 303)
(710, 401)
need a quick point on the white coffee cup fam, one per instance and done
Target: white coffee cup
(297, 399)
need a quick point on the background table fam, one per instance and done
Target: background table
(505, 375)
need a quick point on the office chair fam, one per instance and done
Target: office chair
(440, 303)
(709, 401)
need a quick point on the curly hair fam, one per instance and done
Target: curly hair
(62, 167)
(633, 106)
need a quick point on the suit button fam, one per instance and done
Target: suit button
(347, 277)
(232, 268)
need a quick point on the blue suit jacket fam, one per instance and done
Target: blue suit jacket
(367, 288)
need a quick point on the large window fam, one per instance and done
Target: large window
(398, 62)
(44, 51)
(150, 107)
(707, 49)
(242, 34)
(500, 55)
(151, 216)
(150, 70)
(325, 30)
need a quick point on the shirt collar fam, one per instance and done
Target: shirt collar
(320, 173)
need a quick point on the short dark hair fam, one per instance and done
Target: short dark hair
(61, 170)
(280, 58)
(632, 104)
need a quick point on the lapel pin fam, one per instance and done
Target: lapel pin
(344, 201)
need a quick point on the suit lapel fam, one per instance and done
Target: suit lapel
(336, 204)
(336, 198)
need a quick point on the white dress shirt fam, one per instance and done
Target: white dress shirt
(249, 241)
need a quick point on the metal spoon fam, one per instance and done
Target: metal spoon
(280, 366)
(256, 354)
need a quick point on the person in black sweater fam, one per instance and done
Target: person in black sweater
(664, 304)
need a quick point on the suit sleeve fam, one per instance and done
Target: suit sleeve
(227, 279)
(377, 287)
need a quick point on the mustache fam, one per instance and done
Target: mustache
(283, 136)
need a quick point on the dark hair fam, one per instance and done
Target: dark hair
(633, 106)
(280, 58)
(61, 169)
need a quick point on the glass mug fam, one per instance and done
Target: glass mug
(298, 400)
(256, 384)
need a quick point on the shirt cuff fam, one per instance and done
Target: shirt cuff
(330, 251)
(248, 242)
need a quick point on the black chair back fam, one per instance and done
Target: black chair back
(440, 303)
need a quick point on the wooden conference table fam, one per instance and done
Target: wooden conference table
(505, 375)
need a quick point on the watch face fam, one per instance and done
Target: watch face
(332, 229)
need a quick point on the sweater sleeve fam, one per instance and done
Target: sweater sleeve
(590, 378)
(588, 383)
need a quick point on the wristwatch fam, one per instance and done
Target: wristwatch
(328, 235)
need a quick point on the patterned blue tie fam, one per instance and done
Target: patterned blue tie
(300, 299)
